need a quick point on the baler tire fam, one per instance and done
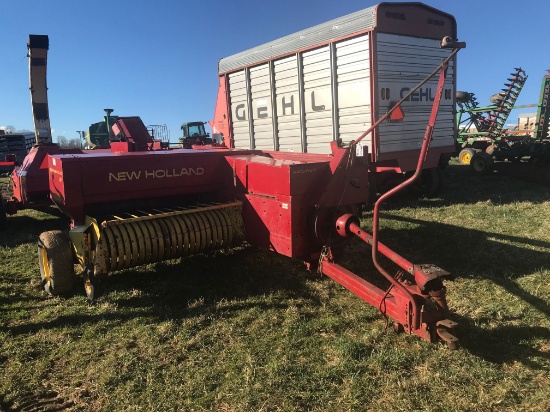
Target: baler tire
(55, 259)
(429, 183)
(482, 163)
(465, 156)
(398, 327)
(3, 215)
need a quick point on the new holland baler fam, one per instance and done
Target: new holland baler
(146, 207)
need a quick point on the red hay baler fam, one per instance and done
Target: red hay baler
(133, 208)
(148, 207)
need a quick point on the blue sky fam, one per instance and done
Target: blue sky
(158, 59)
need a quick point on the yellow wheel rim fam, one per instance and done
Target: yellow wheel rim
(45, 265)
(465, 158)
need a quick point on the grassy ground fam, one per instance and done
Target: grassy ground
(249, 330)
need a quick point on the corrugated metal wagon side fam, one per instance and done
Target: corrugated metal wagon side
(334, 80)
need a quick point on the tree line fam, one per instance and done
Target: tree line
(66, 143)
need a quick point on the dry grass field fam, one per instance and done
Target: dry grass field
(247, 330)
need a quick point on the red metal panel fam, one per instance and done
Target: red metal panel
(122, 146)
(31, 179)
(278, 224)
(133, 128)
(80, 180)
(220, 124)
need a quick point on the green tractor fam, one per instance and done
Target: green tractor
(194, 134)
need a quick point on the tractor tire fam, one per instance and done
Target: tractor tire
(55, 259)
(482, 163)
(429, 183)
(3, 215)
(465, 156)
(463, 97)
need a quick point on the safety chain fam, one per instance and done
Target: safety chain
(324, 253)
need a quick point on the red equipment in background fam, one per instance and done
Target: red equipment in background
(29, 181)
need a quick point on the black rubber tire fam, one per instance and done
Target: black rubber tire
(430, 182)
(55, 259)
(482, 163)
(465, 156)
(463, 97)
(3, 215)
(444, 160)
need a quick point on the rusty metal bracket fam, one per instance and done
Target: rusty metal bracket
(442, 329)
(426, 272)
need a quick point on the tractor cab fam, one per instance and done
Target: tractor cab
(194, 134)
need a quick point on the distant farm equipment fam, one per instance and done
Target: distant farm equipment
(482, 138)
(29, 179)
(13, 148)
(194, 134)
(126, 133)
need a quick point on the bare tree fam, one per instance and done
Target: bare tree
(62, 141)
(8, 129)
(65, 143)
(74, 144)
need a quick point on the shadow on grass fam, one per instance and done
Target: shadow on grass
(515, 174)
(503, 186)
(538, 172)
(224, 285)
(47, 401)
(22, 228)
(241, 275)
(505, 344)
(203, 284)
(483, 254)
